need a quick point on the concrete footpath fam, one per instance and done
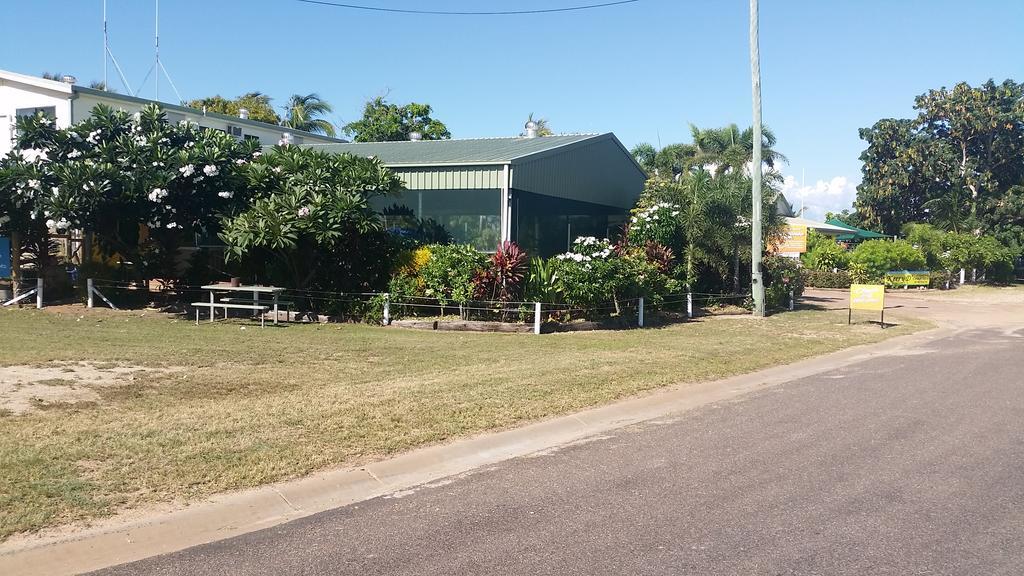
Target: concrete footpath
(111, 543)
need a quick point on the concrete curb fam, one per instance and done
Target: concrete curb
(238, 513)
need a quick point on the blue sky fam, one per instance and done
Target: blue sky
(644, 70)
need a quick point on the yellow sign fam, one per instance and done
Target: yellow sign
(795, 240)
(867, 297)
(907, 278)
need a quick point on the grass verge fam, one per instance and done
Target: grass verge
(246, 407)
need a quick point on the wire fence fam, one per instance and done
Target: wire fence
(385, 307)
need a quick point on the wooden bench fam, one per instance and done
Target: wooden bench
(214, 305)
(286, 304)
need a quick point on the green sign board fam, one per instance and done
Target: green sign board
(907, 278)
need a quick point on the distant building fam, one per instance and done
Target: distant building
(68, 103)
(541, 192)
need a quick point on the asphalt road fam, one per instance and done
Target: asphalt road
(908, 464)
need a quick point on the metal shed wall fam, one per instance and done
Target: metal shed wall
(599, 172)
(450, 177)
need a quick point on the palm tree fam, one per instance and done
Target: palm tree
(729, 148)
(645, 156)
(303, 113)
(950, 210)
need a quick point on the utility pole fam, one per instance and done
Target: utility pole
(756, 279)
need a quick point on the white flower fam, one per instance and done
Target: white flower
(171, 225)
(74, 154)
(304, 211)
(157, 194)
(34, 155)
(240, 161)
(225, 194)
(277, 169)
(257, 154)
(94, 136)
(62, 224)
(33, 183)
(50, 223)
(140, 140)
(187, 170)
(211, 170)
(55, 190)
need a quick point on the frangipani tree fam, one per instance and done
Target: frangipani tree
(114, 171)
(310, 214)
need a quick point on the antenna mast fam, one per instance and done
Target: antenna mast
(106, 46)
(156, 41)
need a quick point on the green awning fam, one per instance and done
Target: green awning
(855, 233)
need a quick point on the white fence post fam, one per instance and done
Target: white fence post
(792, 301)
(387, 309)
(640, 313)
(689, 304)
(39, 292)
(88, 291)
(536, 317)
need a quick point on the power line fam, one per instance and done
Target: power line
(464, 13)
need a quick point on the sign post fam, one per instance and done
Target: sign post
(867, 297)
(907, 278)
(795, 240)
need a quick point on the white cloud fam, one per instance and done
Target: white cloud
(833, 195)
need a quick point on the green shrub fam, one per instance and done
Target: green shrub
(594, 276)
(781, 275)
(823, 253)
(448, 274)
(877, 257)
(941, 280)
(826, 278)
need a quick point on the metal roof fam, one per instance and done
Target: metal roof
(458, 152)
(196, 111)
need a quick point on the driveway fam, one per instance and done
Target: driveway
(907, 463)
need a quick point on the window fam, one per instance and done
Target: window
(252, 138)
(468, 216)
(49, 111)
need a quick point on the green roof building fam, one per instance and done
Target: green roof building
(540, 192)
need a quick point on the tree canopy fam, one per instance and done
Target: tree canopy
(257, 103)
(383, 121)
(958, 165)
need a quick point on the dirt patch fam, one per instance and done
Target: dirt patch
(26, 389)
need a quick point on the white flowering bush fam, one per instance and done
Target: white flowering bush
(657, 222)
(310, 223)
(114, 171)
(594, 276)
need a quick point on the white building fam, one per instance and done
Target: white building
(68, 103)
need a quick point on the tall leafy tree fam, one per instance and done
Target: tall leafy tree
(305, 112)
(959, 164)
(383, 121)
(257, 103)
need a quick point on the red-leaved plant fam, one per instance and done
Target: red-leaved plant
(659, 255)
(503, 279)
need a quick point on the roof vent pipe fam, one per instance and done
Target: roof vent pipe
(531, 129)
(243, 113)
(68, 79)
(415, 136)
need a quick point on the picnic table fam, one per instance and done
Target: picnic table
(234, 303)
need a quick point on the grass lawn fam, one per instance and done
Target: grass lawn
(220, 408)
